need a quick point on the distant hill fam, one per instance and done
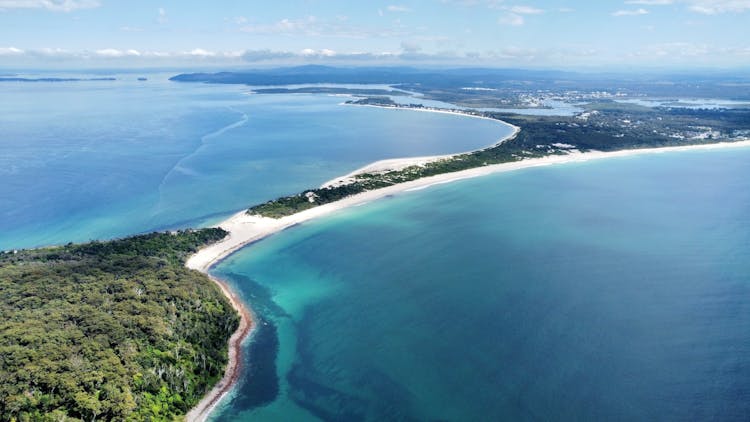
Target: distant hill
(366, 75)
(657, 84)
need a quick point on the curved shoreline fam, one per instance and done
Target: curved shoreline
(244, 229)
(200, 412)
(390, 164)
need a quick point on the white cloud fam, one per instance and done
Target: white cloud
(525, 10)
(514, 15)
(706, 7)
(157, 54)
(10, 51)
(650, 2)
(636, 12)
(199, 52)
(53, 5)
(466, 3)
(109, 54)
(492, 4)
(715, 7)
(324, 53)
(511, 19)
(327, 55)
(283, 26)
(265, 55)
(669, 53)
(112, 52)
(398, 8)
(162, 17)
(51, 52)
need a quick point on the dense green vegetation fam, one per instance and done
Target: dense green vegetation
(369, 181)
(605, 126)
(116, 330)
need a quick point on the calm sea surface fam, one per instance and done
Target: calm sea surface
(101, 159)
(610, 290)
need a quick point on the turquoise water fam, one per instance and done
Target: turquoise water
(101, 159)
(609, 290)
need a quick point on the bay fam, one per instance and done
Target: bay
(101, 159)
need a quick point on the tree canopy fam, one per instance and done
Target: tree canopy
(116, 330)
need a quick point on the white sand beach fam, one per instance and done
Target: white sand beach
(234, 364)
(395, 164)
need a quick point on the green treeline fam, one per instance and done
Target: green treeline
(116, 330)
(289, 205)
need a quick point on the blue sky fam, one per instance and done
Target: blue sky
(533, 34)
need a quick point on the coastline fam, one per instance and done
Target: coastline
(244, 229)
(391, 164)
(200, 412)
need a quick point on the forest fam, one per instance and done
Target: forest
(111, 330)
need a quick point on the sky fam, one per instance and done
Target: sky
(561, 34)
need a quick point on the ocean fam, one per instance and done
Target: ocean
(102, 159)
(608, 290)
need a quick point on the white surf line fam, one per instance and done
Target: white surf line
(204, 140)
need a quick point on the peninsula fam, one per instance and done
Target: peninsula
(156, 378)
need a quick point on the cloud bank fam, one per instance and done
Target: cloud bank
(51, 5)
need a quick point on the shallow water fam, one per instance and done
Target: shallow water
(608, 290)
(101, 159)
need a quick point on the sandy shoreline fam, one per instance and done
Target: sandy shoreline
(245, 229)
(394, 164)
(201, 411)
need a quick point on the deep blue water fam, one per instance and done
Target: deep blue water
(609, 290)
(101, 159)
